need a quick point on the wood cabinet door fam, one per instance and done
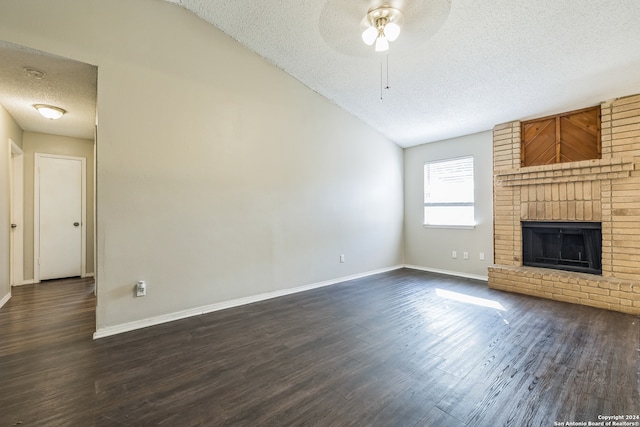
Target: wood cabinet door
(568, 137)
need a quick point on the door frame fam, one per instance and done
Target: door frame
(16, 194)
(36, 212)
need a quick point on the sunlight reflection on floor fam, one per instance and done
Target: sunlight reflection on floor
(469, 299)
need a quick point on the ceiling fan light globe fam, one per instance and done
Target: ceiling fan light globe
(382, 44)
(392, 31)
(369, 36)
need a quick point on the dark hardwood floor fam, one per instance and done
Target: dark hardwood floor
(397, 349)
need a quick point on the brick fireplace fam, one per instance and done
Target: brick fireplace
(605, 190)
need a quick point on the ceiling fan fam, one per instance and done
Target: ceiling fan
(345, 25)
(382, 25)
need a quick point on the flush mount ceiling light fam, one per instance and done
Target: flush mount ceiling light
(383, 27)
(49, 111)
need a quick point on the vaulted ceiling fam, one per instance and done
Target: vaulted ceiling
(458, 67)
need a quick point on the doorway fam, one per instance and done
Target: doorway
(59, 217)
(27, 76)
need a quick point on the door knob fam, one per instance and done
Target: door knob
(75, 224)
(14, 225)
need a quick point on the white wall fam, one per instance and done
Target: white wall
(219, 176)
(430, 248)
(9, 129)
(35, 142)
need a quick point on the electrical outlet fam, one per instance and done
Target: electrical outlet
(481, 256)
(465, 255)
(141, 288)
(341, 258)
(454, 254)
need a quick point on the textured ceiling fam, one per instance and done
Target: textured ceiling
(67, 84)
(459, 66)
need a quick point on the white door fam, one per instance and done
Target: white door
(61, 216)
(17, 230)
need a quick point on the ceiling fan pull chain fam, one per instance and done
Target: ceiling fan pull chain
(387, 71)
(383, 76)
(381, 80)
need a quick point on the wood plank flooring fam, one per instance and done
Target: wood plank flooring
(402, 348)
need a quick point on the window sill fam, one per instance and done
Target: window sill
(457, 227)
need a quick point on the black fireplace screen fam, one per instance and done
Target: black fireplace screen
(573, 246)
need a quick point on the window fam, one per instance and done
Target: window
(448, 192)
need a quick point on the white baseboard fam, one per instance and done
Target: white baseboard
(4, 300)
(32, 281)
(139, 324)
(87, 275)
(25, 282)
(449, 273)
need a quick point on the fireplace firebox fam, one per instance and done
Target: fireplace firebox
(572, 246)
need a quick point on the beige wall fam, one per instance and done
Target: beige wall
(430, 248)
(9, 129)
(34, 142)
(218, 175)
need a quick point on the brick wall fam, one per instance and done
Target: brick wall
(606, 190)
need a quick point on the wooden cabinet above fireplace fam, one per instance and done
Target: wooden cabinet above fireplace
(567, 137)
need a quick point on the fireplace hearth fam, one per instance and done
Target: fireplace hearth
(570, 246)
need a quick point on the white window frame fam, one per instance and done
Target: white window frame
(449, 202)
